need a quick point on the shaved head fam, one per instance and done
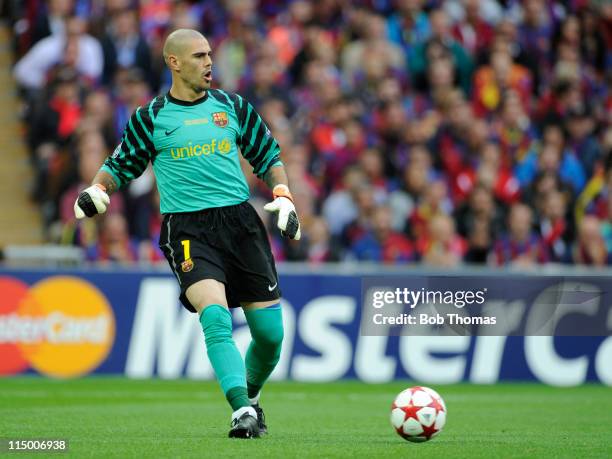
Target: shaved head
(188, 55)
(178, 41)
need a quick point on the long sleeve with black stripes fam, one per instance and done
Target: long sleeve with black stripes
(130, 158)
(257, 144)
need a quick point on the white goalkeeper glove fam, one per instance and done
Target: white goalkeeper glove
(91, 201)
(288, 222)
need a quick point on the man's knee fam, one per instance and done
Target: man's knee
(272, 338)
(217, 324)
(268, 346)
(266, 326)
(206, 292)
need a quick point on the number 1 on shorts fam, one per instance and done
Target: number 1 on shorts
(185, 244)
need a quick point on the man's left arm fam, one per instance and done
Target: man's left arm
(261, 150)
(288, 222)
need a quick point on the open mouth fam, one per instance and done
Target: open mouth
(208, 75)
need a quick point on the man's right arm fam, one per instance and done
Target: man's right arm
(106, 180)
(128, 161)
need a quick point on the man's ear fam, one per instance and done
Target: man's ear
(173, 62)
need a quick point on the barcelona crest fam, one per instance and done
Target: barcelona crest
(220, 118)
(187, 265)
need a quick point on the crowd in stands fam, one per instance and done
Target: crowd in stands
(436, 132)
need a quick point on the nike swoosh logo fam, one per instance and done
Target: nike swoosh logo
(170, 132)
(272, 287)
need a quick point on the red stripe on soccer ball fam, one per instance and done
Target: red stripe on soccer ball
(437, 405)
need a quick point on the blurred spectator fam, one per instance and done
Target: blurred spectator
(371, 163)
(451, 141)
(317, 246)
(132, 91)
(442, 245)
(536, 29)
(389, 56)
(553, 157)
(416, 176)
(339, 208)
(543, 184)
(148, 248)
(317, 47)
(489, 11)
(381, 243)
(506, 39)
(265, 85)
(592, 39)
(556, 228)
(590, 248)
(492, 83)
(472, 31)
(287, 33)
(409, 25)
(597, 195)
(580, 126)
(514, 130)
(440, 78)
(328, 14)
(154, 17)
(563, 93)
(479, 242)
(140, 205)
(435, 201)
(56, 119)
(113, 6)
(231, 54)
(442, 44)
(480, 209)
(331, 142)
(114, 244)
(74, 48)
(521, 246)
(97, 114)
(362, 224)
(296, 160)
(124, 46)
(388, 123)
(493, 175)
(50, 20)
(567, 33)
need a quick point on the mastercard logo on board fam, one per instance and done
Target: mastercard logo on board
(62, 326)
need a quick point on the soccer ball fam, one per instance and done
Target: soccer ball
(418, 414)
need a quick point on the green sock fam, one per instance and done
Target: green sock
(223, 354)
(266, 325)
(237, 397)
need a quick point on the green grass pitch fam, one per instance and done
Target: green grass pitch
(116, 417)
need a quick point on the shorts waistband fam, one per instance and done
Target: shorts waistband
(211, 210)
(213, 215)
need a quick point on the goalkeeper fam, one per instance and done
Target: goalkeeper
(215, 243)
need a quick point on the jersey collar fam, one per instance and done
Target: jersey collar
(174, 100)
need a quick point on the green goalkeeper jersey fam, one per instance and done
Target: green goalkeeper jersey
(193, 147)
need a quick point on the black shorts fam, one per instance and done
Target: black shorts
(229, 244)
